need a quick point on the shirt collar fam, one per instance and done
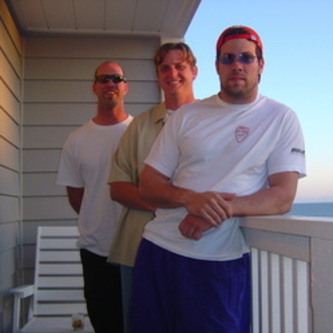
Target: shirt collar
(159, 115)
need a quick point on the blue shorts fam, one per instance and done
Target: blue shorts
(176, 294)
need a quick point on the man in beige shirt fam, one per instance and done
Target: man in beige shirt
(176, 70)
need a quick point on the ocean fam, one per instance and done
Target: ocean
(322, 209)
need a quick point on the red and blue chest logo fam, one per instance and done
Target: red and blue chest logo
(241, 133)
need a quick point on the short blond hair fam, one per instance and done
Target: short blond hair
(164, 49)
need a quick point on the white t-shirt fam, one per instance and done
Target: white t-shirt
(85, 163)
(214, 146)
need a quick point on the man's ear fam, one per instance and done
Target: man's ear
(261, 63)
(94, 87)
(217, 66)
(195, 71)
(126, 88)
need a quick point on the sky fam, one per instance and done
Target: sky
(298, 43)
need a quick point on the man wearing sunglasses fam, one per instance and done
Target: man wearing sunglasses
(193, 259)
(176, 70)
(84, 169)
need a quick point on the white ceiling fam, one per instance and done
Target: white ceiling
(169, 18)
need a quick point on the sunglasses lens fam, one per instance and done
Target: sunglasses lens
(227, 58)
(115, 78)
(245, 58)
(102, 79)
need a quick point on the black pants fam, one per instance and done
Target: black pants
(102, 291)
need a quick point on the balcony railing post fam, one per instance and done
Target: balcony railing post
(322, 284)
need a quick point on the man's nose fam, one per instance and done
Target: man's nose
(173, 71)
(236, 65)
(111, 83)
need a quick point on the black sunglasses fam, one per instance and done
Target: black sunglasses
(242, 58)
(115, 78)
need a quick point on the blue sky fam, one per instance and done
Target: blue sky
(298, 47)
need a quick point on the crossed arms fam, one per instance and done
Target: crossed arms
(209, 209)
(206, 209)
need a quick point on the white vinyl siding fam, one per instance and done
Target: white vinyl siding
(10, 166)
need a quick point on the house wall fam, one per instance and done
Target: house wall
(45, 93)
(57, 99)
(11, 69)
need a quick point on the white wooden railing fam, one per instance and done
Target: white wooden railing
(292, 273)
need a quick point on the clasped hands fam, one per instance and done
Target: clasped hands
(206, 210)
